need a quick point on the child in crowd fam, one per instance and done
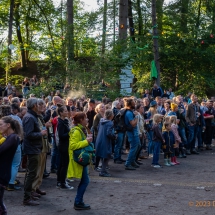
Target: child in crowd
(157, 139)
(166, 120)
(104, 141)
(169, 142)
(174, 129)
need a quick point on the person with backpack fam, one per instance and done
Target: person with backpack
(79, 138)
(119, 127)
(63, 130)
(131, 119)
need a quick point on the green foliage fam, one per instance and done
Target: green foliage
(186, 64)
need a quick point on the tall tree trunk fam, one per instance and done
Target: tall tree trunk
(140, 20)
(10, 33)
(198, 18)
(155, 41)
(123, 16)
(70, 31)
(184, 15)
(131, 21)
(159, 11)
(27, 34)
(19, 35)
(104, 26)
(114, 21)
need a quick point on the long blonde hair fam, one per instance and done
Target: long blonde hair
(173, 120)
(153, 111)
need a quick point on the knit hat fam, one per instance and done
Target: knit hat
(153, 103)
(173, 106)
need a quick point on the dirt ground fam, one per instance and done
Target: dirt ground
(188, 188)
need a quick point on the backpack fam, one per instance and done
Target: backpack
(119, 121)
(83, 156)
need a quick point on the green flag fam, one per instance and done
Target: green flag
(154, 72)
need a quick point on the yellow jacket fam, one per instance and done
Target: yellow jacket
(77, 140)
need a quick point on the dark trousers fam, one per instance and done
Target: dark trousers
(30, 177)
(104, 165)
(2, 206)
(97, 161)
(63, 166)
(208, 135)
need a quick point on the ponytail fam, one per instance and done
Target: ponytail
(14, 125)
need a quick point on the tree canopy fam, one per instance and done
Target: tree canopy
(80, 47)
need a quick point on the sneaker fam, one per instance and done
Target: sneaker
(97, 169)
(66, 187)
(81, 206)
(135, 165)
(58, 185)
(150, 156)
(105, 174)
(12, 187)
(69, 180)
(130, 167)
(156, 166)
(17, 182)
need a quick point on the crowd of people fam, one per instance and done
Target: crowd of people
(138, 128)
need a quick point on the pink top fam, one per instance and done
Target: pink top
(174, 129)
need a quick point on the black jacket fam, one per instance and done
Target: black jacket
(7, 152)
(32, 143)
(63, 134)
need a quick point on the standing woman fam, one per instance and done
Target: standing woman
(25, 87)
(100, 111)
(149, 124)
(78, 138)
(63, 128)
(12, 131)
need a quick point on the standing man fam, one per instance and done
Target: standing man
(41, 107)
(157, 91)
(51, 114)
(131, 119)
(91, 112)
(32, 146)
(193, 118)
(209, 118)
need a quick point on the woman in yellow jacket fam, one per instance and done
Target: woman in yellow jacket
(78, 138)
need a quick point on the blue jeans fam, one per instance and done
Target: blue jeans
(156, 153)
(118, 146)
(55, 156)
(82, 186)
(182, 134)
(25, 91)
(150, 142)
(193, 130)
(15, 164)
(134, 141)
